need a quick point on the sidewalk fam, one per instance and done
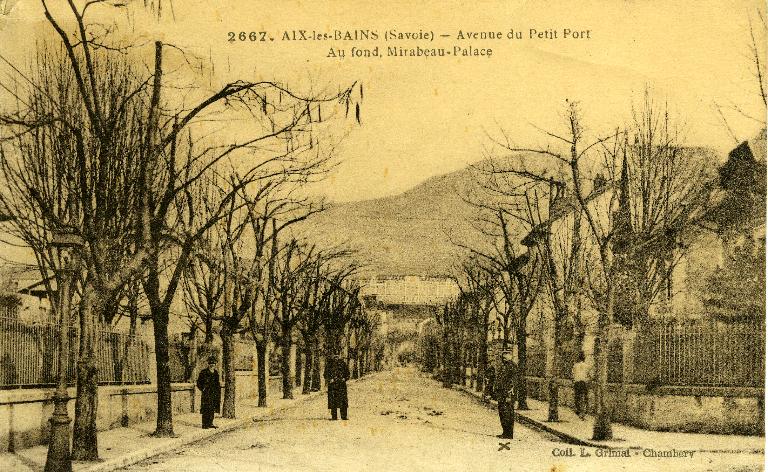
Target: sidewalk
(121, 447)
(576, 431)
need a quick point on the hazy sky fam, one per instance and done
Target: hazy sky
(428, 116)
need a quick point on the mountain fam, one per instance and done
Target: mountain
(406, 234)
(415, 233)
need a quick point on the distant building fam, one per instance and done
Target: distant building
(723, 272)
(30, 287)
(410, 290)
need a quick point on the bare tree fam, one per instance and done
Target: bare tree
(508, 204)
(179, 175)
(663, 186)
(366, 325)
(323, 291)
(344, 304)
(239, 277)
(753, 110)
(479, 283)
(62, 174)
(599, 219)
(165, 163)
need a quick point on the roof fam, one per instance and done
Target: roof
(23, 280)
(566, 206)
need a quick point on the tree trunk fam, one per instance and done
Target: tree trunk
(446, 370)
(602, 428)
(85, 443)
(208, 330)
(471, 367)
(458, 375)
(228, 365)
(194, 355)
(560, 313)
(162, 358)
(522, 365)
(308, 369)
(261, 365)
(316, 371)
(298, 369)
(285, 365)
(554, 391)
(463, 367)
(355, 364)
(482, 361)
(84, 433)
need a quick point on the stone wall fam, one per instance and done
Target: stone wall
(719, 410)
(24, 413)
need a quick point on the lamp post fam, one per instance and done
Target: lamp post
(68, 246)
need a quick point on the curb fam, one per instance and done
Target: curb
(176, 443)
(536, 424)
(568, 438)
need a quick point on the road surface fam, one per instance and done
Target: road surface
(400, 421)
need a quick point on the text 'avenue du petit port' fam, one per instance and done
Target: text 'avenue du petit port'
(426, 43)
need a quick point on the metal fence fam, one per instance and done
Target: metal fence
(181, 361)
(245, 354)
(29, 355)
(677, 353)
(536, 359)
(179, 352)
(701, 353)
(569, 352)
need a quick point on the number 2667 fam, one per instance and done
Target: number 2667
(247, 36)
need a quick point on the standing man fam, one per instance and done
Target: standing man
(336, 375)
(580, 374)
(209, 385)
(504, 390)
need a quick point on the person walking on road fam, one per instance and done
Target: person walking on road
(336, 375)
(504, 390)
(209, 385)
(580, 374)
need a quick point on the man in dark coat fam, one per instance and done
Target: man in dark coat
(336, 375)
(504, 391)
(210, 400)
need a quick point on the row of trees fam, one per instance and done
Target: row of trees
(583, 232)
(175, 187)
(589, 227)
(283, 290)
(586, 230)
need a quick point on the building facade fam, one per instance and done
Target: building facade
(410, 290)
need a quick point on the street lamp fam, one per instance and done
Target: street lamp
(67, 245)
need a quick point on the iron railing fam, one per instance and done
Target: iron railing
(701, 353)
(29, 355)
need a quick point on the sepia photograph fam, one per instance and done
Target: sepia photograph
(361, 235)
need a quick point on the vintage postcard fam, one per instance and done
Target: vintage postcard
(517, 235)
